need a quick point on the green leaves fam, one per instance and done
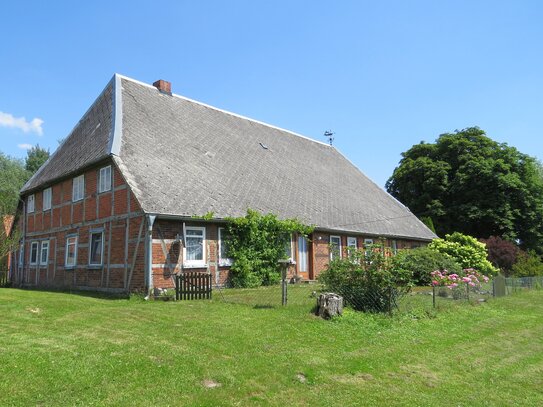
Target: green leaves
(469, 183)
(465, 250)
(256, 243)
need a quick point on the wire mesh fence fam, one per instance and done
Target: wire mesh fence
(419, 299)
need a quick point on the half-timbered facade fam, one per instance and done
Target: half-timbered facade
(119, 206)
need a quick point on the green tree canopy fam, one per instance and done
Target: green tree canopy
(13, 175)
(35, 157)
(469, 183)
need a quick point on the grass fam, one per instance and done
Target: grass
(66, 349)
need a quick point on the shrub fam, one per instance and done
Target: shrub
(367, 280)
(501, 253)
(457, 282)
(465, 250)
(422, 261)
(256, 243)
(528, 264)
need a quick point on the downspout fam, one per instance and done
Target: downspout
(20, 267)
(149, 256)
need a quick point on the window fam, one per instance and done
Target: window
(288, 249)
(194, 246)
(367, 243)
(351, 243)
(30, 204)
(303, 263)
(104, 180)
(335, 247)
(34, 253)
(96, 248)
(78, 188)
(223, 248)
(44, 253)
(71, 251)
(394, 245)
(47, 199)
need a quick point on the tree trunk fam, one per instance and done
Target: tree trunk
(329, 305)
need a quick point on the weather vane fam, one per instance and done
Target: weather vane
(329, 134)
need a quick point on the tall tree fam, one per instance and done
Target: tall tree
(35, 157)
(469, 183)
(13, 175)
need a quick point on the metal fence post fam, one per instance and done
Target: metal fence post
(434, 295)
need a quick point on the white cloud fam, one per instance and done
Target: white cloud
(8, 120)
(25, 146)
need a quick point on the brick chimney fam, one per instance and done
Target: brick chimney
(163, 86)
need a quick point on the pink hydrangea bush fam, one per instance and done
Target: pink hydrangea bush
(469, 277)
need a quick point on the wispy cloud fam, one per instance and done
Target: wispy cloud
(34, 126)
(25, 146)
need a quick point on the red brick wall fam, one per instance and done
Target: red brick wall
(107, 211)
(166, 246)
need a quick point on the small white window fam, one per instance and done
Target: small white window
(394, 245)
(351, 243)
(194, 250)
(44, 253)
(78, 188)
(104, 181)
(367, 245)
(30, 204)
(71, 251)
(47, 193)
(303, 261)
(34, 253)
(224, 260)
(96, 248)
(288, 249)
(335, 247)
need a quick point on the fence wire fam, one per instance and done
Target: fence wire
(418, 300)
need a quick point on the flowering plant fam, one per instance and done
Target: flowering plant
(469, 277)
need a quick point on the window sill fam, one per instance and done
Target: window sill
(225, 263)
(195, 266)
(95, 266)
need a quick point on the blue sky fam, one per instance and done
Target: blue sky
(383, 75)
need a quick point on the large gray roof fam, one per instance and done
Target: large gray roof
(87, 143)
(183, 158)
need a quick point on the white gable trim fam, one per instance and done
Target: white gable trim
(117, 116)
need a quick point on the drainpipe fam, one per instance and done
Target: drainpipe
(20, 267)
(149, 257)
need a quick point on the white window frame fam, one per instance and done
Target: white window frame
(30, 204)
(47, 197)
(332, 246)
(350, 241)
(195, 263)
(303, 256)
(44, 245)
(104, 179)
(367, 242)
(223, 261)
(33, 245)
(289, 250)
(68, 244)
(92, 233)
(394, 246)
(78, 188)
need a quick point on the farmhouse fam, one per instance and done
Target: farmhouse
(121, 205)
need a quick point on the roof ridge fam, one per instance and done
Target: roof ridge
(226, 111)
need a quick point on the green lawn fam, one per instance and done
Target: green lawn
(66, 349)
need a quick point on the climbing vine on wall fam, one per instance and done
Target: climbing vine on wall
(256, 243)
